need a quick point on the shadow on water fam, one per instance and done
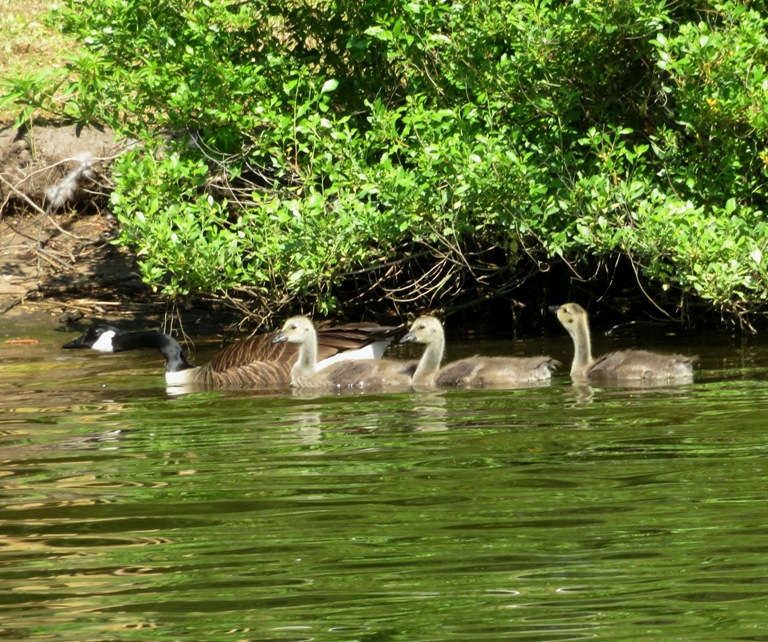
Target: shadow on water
(552, 513)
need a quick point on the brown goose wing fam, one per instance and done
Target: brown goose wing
(258, 349)
(351, 336)
(257, 374)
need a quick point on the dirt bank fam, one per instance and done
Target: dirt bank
(57, 260)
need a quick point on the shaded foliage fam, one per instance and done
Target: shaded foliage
(412, 147)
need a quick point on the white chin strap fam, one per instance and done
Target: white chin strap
(104, 342)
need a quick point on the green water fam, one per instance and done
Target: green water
(539, 514)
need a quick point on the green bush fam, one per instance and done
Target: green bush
(290, 146)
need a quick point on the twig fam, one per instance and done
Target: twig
(12, 304)
(92, 302)
(51, 258)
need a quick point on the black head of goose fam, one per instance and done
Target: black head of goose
(472, 372)
(257, 362)
(624, 367)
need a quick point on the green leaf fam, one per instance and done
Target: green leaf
(329, 86)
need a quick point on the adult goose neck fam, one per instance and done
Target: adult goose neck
(167, 345)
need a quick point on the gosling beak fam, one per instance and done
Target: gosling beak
(554, 308)
(408, 337)
(278, 338)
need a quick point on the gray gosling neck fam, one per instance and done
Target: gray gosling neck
(430, 362)
(582, 348)
(429, 332)
(306, 364)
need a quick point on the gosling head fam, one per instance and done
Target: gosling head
(571, 315)
(100, 338)
(295, 330)
(425, 330)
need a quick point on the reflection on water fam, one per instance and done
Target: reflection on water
(554, 513)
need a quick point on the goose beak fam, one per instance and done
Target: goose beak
(554, 308)
(76, 343)
(280, 337)
(408, 337)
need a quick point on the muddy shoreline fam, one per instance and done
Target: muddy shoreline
(58, 264)
(64, 270)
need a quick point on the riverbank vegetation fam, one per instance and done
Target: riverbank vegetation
(429, 154)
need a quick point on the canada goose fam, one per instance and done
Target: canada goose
(253, 363)
(473, 372)
(364, 373)
(625, 366)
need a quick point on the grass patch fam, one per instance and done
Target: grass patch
(27, 44)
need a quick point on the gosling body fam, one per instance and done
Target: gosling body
(472, 372)
(363, 374)
(624, 367)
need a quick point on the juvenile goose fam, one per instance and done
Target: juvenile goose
(253, 363)
(473, 372)
(623, 367)
(365, 373)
